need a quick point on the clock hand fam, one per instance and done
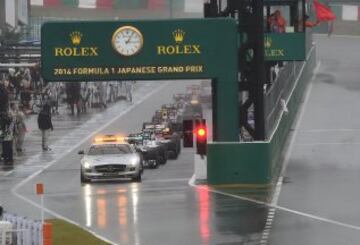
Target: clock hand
(127, 41)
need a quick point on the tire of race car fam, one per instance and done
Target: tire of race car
(137, 178)
(163, 159)
(176, 155)
(155, 164)
(83, 179)
(158, 161)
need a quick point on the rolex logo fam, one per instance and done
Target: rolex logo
(267, 42)
(76, 37)
(179, 48)
(77, 51)
(179, 35)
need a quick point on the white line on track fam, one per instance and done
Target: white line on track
(278, 187)
(325, 143)
(330, 130)
(275, 200)
(273, 204)
(334, 35)
(15, 189)
(167, 180)
(7, 173)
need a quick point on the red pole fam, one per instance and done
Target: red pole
(47, 234)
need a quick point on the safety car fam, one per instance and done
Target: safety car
(110, 157)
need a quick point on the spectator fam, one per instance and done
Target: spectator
(20, 127)
(281, 22)
(54, 100)
(102, 94)
(273, 23)
(85, 98)
(4, 98)
(8, 136)
(129, 89)
(277, 22)
(14, 79)
(25, 94)
(112, 95)
(45, 125)
(35, 75)
(309, 23)
(45, 98)
(73, 94)
(27, 75)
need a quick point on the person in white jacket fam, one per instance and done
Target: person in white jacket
(129, 86)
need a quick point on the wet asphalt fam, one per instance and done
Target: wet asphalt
(163, 209)
(323, 173)
(318, 203)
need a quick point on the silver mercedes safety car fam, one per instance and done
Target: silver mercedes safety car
(110, 157)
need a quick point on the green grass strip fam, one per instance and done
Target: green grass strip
(66, 233)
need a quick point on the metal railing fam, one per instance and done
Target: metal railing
(18, 230)
(18, 53)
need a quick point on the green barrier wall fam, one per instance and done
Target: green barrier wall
(259, 163)
(238, 163)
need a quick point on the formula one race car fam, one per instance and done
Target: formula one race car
(153, 153)
(165, 134)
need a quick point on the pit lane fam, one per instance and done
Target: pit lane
(163, 209)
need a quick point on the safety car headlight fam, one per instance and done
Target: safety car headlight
(134, 161)
(87, 165)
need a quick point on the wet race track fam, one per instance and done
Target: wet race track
(323, 172)
(318, 202)
(163, 209)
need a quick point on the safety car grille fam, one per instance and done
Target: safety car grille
(110, 168)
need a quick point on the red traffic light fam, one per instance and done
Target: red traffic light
(201, 140)
(201, 132)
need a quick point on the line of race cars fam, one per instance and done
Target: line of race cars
(113, 157)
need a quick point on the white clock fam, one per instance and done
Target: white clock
(127, 40)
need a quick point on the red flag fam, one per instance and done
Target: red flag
(323, 13)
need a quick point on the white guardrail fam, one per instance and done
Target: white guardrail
(18, 230)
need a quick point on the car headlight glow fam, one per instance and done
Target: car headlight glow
(87, 165)
(134, 161)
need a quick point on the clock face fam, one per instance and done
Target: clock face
(127, 40)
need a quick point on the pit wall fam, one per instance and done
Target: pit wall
(259, 163)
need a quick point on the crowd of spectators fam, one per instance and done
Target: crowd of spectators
(15, 97)
(23, 92)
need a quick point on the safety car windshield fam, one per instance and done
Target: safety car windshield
(109, 149)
